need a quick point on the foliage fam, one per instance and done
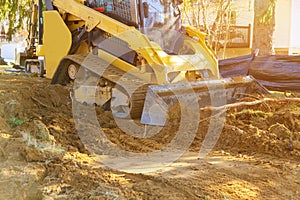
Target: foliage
(17, 14)
(15, 121)
(267, 16)
(211, 16)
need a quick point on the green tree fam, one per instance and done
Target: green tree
(17, 14)
(264, 26)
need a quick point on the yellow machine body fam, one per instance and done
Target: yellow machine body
(67, 41)
(57, 41)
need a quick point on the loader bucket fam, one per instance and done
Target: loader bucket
(215, 93)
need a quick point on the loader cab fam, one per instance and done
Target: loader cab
(142, 14)
(74, 29)
(159, 20)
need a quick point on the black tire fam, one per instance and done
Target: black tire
(41, 68)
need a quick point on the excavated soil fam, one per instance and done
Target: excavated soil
(257, 155)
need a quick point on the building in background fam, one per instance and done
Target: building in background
(287, 27)
(9, 49)
(286, 38)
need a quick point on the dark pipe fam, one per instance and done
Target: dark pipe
(40, 16)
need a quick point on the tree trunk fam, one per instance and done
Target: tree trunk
(264, 25)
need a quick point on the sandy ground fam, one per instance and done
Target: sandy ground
(41, 156)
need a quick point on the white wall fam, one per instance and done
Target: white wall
(8, 50)
(295, 27)
(244, 9)
(282, 24)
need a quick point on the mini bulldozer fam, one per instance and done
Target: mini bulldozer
(143, 56)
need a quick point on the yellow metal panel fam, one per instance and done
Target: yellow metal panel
(83, 48)
(160, 62)
(124, 66)
(40, 50)
(57, 41)
(74, 25)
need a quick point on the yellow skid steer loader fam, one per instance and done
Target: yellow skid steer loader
(143, 58)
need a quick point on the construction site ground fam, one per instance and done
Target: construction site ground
(41, 156)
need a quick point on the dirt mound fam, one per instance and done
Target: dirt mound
(27, 99)
(41, 150)
(270, 126)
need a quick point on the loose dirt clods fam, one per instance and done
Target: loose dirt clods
(256, 157)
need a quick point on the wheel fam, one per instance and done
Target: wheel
(41, 68)
(38, 66)
(27, 67)
(72, 71)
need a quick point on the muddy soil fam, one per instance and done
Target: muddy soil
(257, 155)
